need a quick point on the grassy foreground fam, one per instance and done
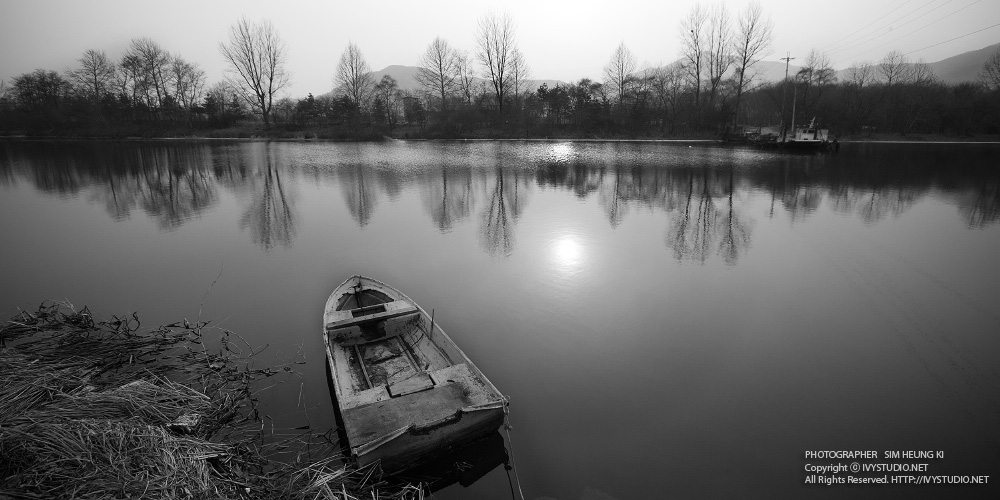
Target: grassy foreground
(96, 409)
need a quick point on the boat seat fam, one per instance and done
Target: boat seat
(362, 315)
(372, 324)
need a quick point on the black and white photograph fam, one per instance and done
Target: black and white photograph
(527, 250)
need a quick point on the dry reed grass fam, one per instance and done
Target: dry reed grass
(94, 409)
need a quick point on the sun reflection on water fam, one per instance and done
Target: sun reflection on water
(562, 152)
(568, 253)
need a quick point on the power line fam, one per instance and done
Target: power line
(877, 31)
(952, 39)
(920, 28)
(867, 25)
(876, 34)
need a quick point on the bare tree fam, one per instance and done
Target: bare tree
(668, 86)
(751, 43)
(387, 96)
(40, 91)
(466, 76)
(188, 82)
(720, 49)
(894, 68)
(222, 102)
(150, 66)
(861, 74)
(817, 69)
(519, 72)
(990, 75)
(815, 76)
(921, 73)
(619, 70)
(95, 76)
(496, 44)
(354, 77)
(439, 70)
(257, 57)
(693, 46)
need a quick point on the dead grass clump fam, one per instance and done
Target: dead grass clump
(97, 409)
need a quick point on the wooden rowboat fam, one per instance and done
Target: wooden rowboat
(405, 392)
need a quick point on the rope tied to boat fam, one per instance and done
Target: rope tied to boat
(512, 465)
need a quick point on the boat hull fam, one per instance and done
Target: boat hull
(418, 445)
(404, 391)
(807, 145)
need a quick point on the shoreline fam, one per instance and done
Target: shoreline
(267, 138)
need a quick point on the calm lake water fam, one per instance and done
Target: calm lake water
(669, 319)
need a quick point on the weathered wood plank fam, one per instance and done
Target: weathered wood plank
(425, 352)
(416, 383)
(392, 310)
(370, 422)
(476, 392)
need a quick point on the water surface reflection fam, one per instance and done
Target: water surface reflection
(701, 189)
(670, 320)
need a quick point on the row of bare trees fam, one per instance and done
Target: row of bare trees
(713, 47)
(696, 93)
(706, 89)
(713, 84)
(894, 95)
(146, 83)
(150, 85)
(448, 77)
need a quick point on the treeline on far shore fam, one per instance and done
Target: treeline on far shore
(44, 103)
(707, 93)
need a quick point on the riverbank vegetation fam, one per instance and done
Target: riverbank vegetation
(98, 409)
(713, 89)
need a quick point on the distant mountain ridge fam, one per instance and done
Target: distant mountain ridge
(406, 78)
(956, 69)
(964, 67)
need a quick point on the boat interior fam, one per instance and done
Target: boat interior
(385, 348)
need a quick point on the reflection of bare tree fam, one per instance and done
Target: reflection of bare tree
(638, 186)
(515, 194)
(270, 215)
(391, 183)
(798, 198)
(173, 190)
(801, 201)
(449, 200)
(7, 177)
(171, 183)
(579, 177)
(875, 204)
(118, 197)
(53, 171)
(691, 226)
(505, 207)
(981, 206)
(359, 193)
(735, 230)
(615, 203)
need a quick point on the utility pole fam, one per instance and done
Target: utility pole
(784, 90)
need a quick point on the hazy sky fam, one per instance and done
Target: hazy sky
(564, 40)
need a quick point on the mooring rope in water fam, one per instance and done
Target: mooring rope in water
(513, 464)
